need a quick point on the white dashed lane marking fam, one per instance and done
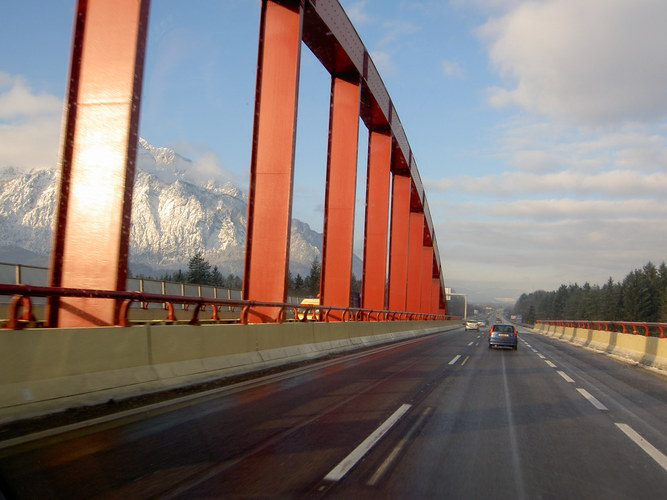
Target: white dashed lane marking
(651, 450)
(592, 399)
(338, 472)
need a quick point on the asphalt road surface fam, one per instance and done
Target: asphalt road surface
(438, 417)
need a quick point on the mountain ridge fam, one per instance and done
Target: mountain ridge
(174, 216)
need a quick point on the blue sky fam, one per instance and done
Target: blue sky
(538, 126)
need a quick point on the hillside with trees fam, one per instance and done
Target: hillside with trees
(641, 296)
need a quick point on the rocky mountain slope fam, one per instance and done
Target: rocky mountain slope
(173, 217)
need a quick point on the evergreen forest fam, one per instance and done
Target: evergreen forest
(641, 296)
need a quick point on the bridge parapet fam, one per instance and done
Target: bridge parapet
(642, 343)
(55, 369)
(20, 310)
(648, 329)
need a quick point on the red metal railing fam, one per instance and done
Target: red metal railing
(628, 327)
(20, 308)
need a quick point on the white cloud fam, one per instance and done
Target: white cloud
(452, 68)
(620, 184)
(588, 62)
(17, 101)
(395, 30)
(569, 209)
(521, 246)
(383, 62)
(29, 126)
(357, 13)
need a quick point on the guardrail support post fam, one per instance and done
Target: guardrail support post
(341, 188)
(92, 219)
(272, 162)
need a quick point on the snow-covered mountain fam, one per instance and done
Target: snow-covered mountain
(173, 217)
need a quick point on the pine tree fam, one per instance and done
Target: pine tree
(312, 281)
(216, 278)
(199, 270)
(298, 283)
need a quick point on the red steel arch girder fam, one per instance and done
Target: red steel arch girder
(282, 30)
(333, 40)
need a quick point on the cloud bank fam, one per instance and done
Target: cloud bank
(581, 194)
(29, 125)
(588, 62)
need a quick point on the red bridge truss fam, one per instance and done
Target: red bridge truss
(401, 264)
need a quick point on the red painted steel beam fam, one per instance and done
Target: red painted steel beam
(398, 242)
(92, 219)
(378, 180)
(426, 280)
(272, 162)
(426, 271)
(329, 34)
(341, 188)
(415, 244)
(435, 295)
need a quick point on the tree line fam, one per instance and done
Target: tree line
(641, 296)
(200, 272)
(310, 284)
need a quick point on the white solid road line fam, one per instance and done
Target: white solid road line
(338, 472)
(565, 376)
(651, 450)
(591, 399)
(456, 358)
(397, 449)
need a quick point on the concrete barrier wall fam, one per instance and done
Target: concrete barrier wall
(47, 370)
(648, 351)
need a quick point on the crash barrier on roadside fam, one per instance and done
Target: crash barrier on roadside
(643, 343)
(47, 370)
(20, 311)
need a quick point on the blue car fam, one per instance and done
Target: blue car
(503, 336)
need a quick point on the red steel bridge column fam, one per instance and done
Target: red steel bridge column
(398, 242)
(92, 219)
(415, 243)
(337, 244)
(436, 292)
(378, 180)
(272, 163)
(426, 272)
(442, 302)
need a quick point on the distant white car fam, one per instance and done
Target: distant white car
(472, 325)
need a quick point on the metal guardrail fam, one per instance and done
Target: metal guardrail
(20, 307)
(20, 274)
(647, 329)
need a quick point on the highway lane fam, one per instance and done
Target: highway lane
(516, 425)
(438, 417)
